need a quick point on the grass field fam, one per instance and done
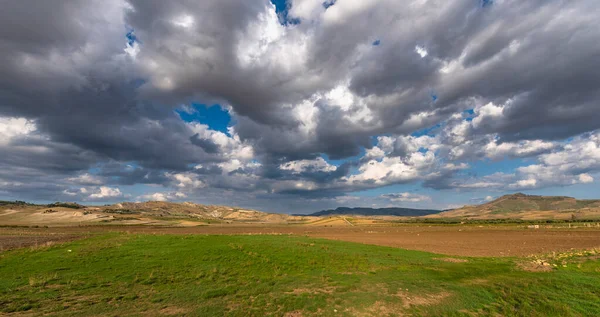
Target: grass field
(121, 274)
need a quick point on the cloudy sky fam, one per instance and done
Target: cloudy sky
(299, 105)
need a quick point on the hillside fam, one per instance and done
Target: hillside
(516, 206)
(193, 210)
(528, 207)
(404, 212)
(151, 212)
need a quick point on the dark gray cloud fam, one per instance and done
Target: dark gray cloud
(80, 108)
(206, 144)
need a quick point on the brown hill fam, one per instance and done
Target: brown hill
(528, 207)
(159, 209)
(151, 212)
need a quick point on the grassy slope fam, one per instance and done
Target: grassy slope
(122, 274)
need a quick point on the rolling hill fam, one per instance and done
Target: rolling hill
(151, 212)
(404, 212)
(528, 207)
(516, 206)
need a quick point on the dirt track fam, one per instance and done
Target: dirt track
(451, 240)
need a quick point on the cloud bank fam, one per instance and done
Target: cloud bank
(326, 101)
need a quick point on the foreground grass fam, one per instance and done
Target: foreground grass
(122, 274)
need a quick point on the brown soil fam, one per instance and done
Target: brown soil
(8, 242)
(535, 266)
(316, 290)
(452, 260)
(397, 308)
(419, 300)
(449, 240)
(173, 311)
(471, 241)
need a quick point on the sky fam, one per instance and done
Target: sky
(295, 106)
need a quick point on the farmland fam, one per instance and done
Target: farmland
(158, 258)
(271, 270)
(461, 240)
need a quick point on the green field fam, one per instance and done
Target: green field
(131, 274)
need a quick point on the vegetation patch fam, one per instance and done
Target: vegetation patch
(15, 203)
(452, 260)
(65, 205)
(121, 211)
(282, 275)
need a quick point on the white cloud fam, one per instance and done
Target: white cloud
(86, 179)
(303, 90)
(104, 192)
(406, 197)
(162, 196)
(317, 165)
(486, 113)
(526, 148)
(154, 197)
(390, 170)
(186, 181)
(585, 178)
(524, 183)
(11, 127)
(69, 193)
(342, 11)
(132, 50)
(261, 41)
(230, 147)
(421, 51)
(569, 165)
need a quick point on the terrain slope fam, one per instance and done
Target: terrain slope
(151, 212)
(528, 207)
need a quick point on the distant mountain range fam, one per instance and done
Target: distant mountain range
(407, 212)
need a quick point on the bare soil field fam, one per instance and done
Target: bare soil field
(450, 240)
(8, 242)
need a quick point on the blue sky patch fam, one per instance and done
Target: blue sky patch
(469, 113)
(213, 116)
(282, 8)
(131, 38)
(328, 3)
(488, 167)
(427, 131)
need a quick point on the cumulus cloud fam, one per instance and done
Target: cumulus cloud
(87, 179)
(571, 165)
(14, 127)
(406, 197)
(324, 100)
(162, 196)
(186, 180)
(318, 164)
(104, 192)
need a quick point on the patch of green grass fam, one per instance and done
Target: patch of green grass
(127, 274)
